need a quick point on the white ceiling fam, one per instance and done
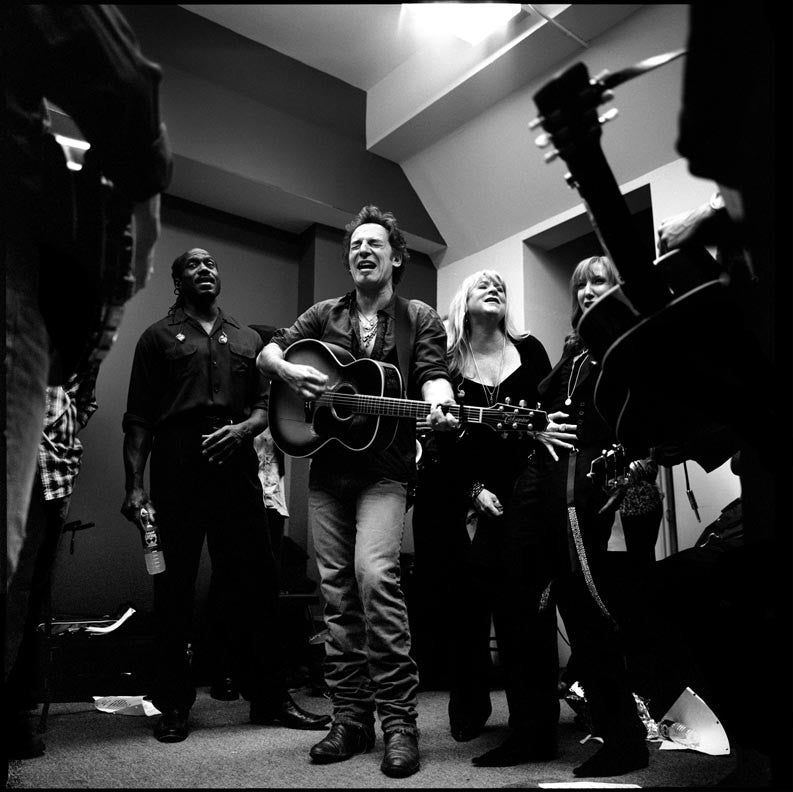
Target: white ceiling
(424, 87)
(359, 44)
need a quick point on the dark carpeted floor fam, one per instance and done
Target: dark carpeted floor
(88, 749)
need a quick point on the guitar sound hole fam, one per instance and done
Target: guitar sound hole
(342, 411)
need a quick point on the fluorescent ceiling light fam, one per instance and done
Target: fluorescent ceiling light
(471, 22)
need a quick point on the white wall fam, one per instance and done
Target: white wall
(546, 313)
(487, 180)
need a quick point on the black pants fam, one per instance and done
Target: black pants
(537, 550)
(195, 500)
(477, 565)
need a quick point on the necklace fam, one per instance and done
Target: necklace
(367, 328)
(582, 356)
(491, 393)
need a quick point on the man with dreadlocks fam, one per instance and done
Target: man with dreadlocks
(196, 401)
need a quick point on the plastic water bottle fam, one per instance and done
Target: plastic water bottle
(679, 733)
(152, 552)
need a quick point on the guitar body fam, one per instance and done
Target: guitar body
(646, 360)
(668, 332)
(301, 428)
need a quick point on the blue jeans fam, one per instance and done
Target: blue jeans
(357, 528)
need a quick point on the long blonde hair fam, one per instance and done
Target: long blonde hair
(458, 328)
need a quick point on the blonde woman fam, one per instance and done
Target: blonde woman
(545, 553)
(491, 361)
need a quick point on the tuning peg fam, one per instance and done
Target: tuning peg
(608, 116)
(551, 156)
(542, 140)
(522, 403)
(507, 401)
(535, 122)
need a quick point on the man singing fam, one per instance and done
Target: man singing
(357, 499)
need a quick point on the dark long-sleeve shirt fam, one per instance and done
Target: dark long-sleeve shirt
(334, 321)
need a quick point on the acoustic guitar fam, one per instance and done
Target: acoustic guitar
(363, 403)
(662, 336)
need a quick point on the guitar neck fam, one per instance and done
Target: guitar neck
(615, 227)
(403, 408)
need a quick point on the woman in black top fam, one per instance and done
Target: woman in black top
(545, 567)
(491, 362)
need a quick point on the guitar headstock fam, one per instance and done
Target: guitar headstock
(610, 469)
(568, 112)
(507, 417)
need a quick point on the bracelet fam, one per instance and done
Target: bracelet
(476, 489)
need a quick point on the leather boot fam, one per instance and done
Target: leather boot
(401, 758)
(287, 714)
(341, 742)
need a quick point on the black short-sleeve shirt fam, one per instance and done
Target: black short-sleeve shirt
(178, 371)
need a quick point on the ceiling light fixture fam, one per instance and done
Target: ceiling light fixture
(471, 22)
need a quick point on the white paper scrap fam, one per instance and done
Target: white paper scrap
(670, 745)
(125, 705)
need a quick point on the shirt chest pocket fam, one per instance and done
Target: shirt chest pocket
(182, 360)
(243, 358)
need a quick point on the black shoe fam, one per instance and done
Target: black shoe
(467, 722)
(467, 729)
(613, 760)
(401, 758)
(224, 689)
(287, 714)
(518, 749)
(341, 742)
(172, 726)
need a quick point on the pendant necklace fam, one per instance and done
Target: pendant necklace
(570, 391)
(367, 328)
(491, 393)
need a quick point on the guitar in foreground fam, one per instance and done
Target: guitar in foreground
(362, 405)
(666, 336)
(86, 262)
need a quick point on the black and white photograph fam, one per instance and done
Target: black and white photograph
(397, 396)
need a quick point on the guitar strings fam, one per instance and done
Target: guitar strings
(383, 405)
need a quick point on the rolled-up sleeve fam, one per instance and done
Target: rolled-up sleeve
(308, 325)
(429, 352)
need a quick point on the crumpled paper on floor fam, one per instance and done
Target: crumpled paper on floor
(125, 705)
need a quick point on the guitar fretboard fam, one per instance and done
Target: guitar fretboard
(409, 408)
